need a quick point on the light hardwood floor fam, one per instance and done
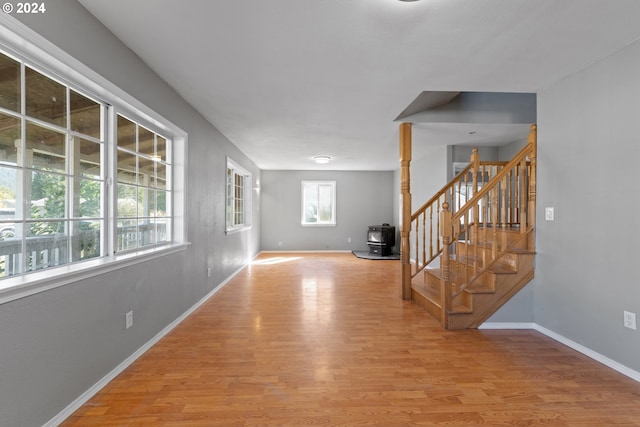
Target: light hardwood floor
(326, 340)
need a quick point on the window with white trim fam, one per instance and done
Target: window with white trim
(143, 192)
(318, 203)
(72, 187)
(238, 197)
(51, 171)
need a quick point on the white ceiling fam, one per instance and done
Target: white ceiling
(285, 80)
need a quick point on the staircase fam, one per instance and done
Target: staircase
(471, 247)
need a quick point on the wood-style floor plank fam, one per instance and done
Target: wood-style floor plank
(325, 340)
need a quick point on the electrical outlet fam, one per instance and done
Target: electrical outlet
(209, 271)
(349, 240)
(630, 320)
(129, 319)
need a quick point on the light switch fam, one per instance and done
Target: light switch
(548, 214)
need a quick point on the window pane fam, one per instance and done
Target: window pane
(310, 195)
(239, 186)
(161, 176)
(47, 245)
(127, 168)
(89, 200)
(325, 203)
(7, 230)
(9, 83)
(10, 251)
(9, 137)
(47, 195)
(147, 233)
(162, 230)
(146, 169)
(126, 134)
(146, 142)
(318, 203)
(238, 213)
(8, 191)
(127, 235)
(161, 148)
(46, 99)
(90, 155)
(48, 148)
(85, 115)
(161, 204)
(85, 239)
(128, 201)
(148, 201)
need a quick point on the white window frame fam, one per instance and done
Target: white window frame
(20, 42)
(333, 221)
(118, 246)
(230, 224)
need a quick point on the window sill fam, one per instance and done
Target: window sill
(43, 280)
(318, 225)
(237, 230)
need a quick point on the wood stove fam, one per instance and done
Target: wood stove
(380, 239)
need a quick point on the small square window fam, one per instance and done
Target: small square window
(318, 203)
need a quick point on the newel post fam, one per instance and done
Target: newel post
(533, 142)
(405, 203)
(445, 270)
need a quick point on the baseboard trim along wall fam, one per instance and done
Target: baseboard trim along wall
(84, 397)
(293, 251)
(624, 370)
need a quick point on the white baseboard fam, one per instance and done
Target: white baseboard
(624, 370)
(507, 325)
(84, 397)
(307, 252)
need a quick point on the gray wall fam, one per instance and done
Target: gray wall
(57, 344)
(428, 175)
(588, 151)
(363, 199)
(509, 151)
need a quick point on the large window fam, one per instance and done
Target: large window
(51, 171)
(143, 166)
(79, 181)
(318, 203)
(238, 197)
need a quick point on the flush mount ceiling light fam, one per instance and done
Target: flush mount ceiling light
(322, 160)
(407, 1)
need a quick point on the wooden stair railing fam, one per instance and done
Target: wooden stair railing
(464, 217)
(425, 222)
(506, 202)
